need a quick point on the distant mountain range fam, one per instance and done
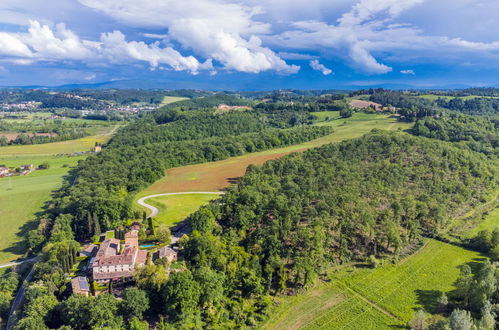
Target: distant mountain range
(172, 85)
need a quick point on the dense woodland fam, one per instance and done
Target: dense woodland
(478, 133)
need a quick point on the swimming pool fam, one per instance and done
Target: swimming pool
(147, 246)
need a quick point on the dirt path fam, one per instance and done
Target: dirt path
(155, 211)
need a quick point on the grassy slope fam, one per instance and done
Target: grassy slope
(375, 298)
(173, 209)
(172, 99)
(22, 197)
(218, 175)
(490, 223)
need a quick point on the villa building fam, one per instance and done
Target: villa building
(110, 264)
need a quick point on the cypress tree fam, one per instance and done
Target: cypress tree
(90, 223)
(97, 230)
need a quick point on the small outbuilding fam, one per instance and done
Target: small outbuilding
(80, 286)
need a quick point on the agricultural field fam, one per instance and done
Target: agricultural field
(382, 298)
(434, 97)
(57, 148)
(172, 99)
(216, 176)
(21, 197)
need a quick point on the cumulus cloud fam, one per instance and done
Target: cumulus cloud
(118, 50)
(409, 72)
(42, 43)
(11, 46)
(222, 31)
(316, 65)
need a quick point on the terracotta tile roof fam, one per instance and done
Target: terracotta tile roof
(109, 248)
(112, 275)
(141, 257)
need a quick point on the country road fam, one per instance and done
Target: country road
(10, 264)
(155, 211)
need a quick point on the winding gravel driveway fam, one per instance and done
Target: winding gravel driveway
(155, 211)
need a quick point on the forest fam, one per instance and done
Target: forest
(478, 133)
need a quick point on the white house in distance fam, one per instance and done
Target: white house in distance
(110, 264)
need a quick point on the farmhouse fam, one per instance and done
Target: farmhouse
(80, 286)
(4, 171)
(110, 264)
(167, 253)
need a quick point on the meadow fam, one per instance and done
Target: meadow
(172, 99)
(22, 197)
(216, 176)
(173, 209)
(434, 97)
(382, 298)
(57, 148)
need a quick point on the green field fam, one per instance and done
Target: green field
(361, 298)
(173, 209)
(22, 197)
(434, 97)
(64, 147)
(172, 99)
(490, 223)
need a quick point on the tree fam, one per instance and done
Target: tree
(203, 220)
(44, 166)
(465, 284)
(443, 303)
(137, 324)
(134, 303)
(418, 321)
(346, 113)
(103, 312)
(487, 321)
(460, 320)
(163, 233)
(181, 295)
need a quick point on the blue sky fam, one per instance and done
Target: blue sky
(251, 44)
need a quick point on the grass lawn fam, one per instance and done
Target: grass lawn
(22, 197)
(172, 99)
(173, 209)
(361, 298)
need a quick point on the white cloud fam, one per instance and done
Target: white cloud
(223, 31)
(409, 72)
(42, 43)
(90, 77)
(59, 43)
(118, 50)
(11, 46)
(314, 64)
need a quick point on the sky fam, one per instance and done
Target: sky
(250, 44)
